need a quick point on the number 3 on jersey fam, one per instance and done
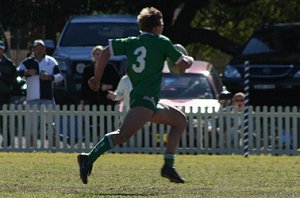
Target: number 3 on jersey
(141, 54)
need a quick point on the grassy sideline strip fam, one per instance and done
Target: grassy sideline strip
(138, 175)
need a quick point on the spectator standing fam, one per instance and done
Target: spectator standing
(40, 71)
(224, 98)
(146, 56)
(122, 92)
(238, 101)
(109, 82)
(8, 76)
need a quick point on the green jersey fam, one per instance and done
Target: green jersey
(146, 56)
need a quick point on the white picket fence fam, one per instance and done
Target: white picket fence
(69, 129)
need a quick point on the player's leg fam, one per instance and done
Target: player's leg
(134, 120)
(177, 120)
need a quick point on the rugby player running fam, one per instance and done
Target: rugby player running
(146, 55)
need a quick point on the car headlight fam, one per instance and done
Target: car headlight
(231, 72)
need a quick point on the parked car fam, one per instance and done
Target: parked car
(73, 51)
(199, 86)
(273, 54)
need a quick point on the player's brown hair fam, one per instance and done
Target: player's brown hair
(149, 18)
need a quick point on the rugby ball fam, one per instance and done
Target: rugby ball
(172, 66)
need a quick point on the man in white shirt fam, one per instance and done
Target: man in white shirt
(40, 71)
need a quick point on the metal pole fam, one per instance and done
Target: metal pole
(246, 109)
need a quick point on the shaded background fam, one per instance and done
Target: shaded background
(212, 30)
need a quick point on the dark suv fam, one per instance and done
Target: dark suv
(273, 53)
(73, 51)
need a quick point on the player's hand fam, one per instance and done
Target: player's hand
(94, 83)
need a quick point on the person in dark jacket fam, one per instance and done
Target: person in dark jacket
(109, 81)
(8, 75)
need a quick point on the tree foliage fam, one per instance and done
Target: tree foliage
(221, 24)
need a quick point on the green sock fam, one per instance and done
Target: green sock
(101, 147)
(169, 160)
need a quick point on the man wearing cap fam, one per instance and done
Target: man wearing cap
(40, 71)
(7, 79)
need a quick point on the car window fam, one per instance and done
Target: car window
(91, 34)
(274, 40)
(188, 86)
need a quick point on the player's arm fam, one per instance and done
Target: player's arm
(178, 59)
(100, 65)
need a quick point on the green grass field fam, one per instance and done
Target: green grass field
(138, 175)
